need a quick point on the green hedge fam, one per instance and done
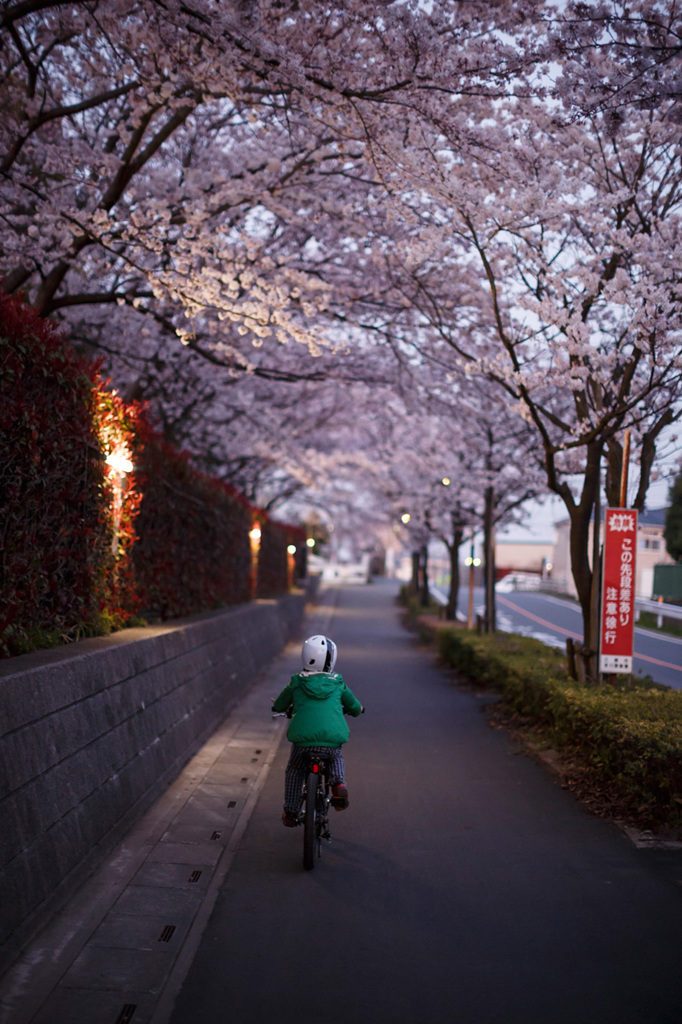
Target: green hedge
(631, 738)
(414, 608)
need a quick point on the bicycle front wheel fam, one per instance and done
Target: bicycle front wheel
(309, 830)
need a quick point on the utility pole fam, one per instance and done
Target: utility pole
(489, 533)
(624, 471)
(470, 614)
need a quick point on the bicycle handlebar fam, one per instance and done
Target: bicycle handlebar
(287, 714)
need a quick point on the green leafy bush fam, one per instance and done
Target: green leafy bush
(631, 738)
(414, 608)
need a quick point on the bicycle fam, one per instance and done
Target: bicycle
(315, 810)
(315, 803)
(316, 800)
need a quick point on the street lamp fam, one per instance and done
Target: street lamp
(255, 534)
(291, 564)
(472, 562)
(120, 464)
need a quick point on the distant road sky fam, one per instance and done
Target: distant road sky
(539, 525)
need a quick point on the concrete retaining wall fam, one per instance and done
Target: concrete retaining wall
(91, 734)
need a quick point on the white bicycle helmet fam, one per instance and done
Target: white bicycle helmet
(318, 654)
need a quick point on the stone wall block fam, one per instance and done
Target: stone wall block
(92, 733)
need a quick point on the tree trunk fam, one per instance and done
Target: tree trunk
(581, 516)
(595, 597)
(424, 583)
(453, 551)
(580, 567)
(414, 582)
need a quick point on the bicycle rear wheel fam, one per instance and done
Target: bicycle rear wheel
(309, 830)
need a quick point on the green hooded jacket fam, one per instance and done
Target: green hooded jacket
(318, 700)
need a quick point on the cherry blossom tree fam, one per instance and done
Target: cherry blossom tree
(455, 463)
(171, 150)
(547, 262)
(642, 43)
(212, 193)
(203, 174)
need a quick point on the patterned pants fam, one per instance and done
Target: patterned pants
(297, 769)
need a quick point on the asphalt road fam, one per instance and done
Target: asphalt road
(462, 886)
(552, 619)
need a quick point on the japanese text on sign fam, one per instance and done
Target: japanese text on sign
(618, 590)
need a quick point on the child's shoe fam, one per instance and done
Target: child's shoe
(289, 820)
(339, 797)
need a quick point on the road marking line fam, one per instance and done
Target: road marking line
(576, 636)
(536, 618)
(655, 661)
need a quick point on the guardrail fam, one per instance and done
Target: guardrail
(661, 610)
(658, 608)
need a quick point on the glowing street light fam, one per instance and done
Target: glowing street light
(254, 537)
(446, 481)
(310, 542)
(119, 462)
(291, 564)
(405, 518)
(472, 562)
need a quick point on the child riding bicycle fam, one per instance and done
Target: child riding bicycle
(316, 698)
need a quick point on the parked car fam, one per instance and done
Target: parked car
(518, 581)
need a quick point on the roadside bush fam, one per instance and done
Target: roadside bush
(273, 559)
(192, 552)
(52, 477)
(414, 608)
(85, 542)
(631, 738)
(117, 424)
(273, 569)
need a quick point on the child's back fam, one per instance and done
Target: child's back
(316, 698)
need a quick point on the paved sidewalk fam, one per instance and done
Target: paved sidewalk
(462, 886)
(119, 951)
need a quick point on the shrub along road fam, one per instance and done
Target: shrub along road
(552, 620)
(462, 885)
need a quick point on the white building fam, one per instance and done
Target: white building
(534, 556)
(651, 551)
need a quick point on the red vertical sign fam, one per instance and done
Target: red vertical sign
(618, 590)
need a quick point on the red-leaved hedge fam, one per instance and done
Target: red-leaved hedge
(84, 545)
(53, 532)
(275, 567)
(193, 550)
